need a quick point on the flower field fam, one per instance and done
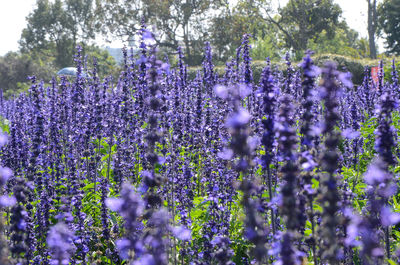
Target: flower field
(153, 168)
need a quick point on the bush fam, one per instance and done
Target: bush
(16, 67)
(354, 66)
(344, 63)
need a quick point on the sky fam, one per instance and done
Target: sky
(13, 13)
(12, 22)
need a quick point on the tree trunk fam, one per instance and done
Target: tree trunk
(372, 21)
(187, 43)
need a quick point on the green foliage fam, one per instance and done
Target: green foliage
(15, 67)
(177, 22)
(56, 27)
(265, 47)
(344, 63)
(229, 26)
(367, 131)
(4, 125)
(303, 20)
(388, 70)
(91, 201)
(345, 42)
(389, 23)
(106, 64)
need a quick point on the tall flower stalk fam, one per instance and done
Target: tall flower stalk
(268, 136)
(329, 164)
(289, 208)
(307, 160)
(242, 145)
(384, 145)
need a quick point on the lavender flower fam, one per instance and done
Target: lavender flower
(60, 240)
(329, 162)
(289, 203)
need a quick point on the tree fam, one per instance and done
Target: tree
(178, 23)
(16, 67)
(58, 26)
(303, 20)
(372, 24)
(264, 47)
(80, 18)
(346, 42)
(118, 18)
(106, 64)
(230, 24)
(389, 23)
(45, 32)
(306, 19)
(222, 38)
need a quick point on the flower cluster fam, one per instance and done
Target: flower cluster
(174, 165)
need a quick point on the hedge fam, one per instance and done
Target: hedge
(352, 65)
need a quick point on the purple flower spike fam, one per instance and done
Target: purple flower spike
(60, 243)
(182, 233)
(239, 119)
(388, 217)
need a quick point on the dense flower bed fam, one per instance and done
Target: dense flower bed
(156, 168)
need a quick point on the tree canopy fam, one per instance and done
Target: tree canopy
(54, 28)
(177, 23)
(389, 23)
(16, 67)
(292, 26)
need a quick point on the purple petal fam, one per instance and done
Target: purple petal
(345, 78)
(225, 154)
(389, 218)
(240, 118)
(182, 233)
(244, 90)
(350, 134)
(6, 201)
(114, 204)
(3, 139)
(221, 91)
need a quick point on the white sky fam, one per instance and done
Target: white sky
(13, 13)
(12, 22)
